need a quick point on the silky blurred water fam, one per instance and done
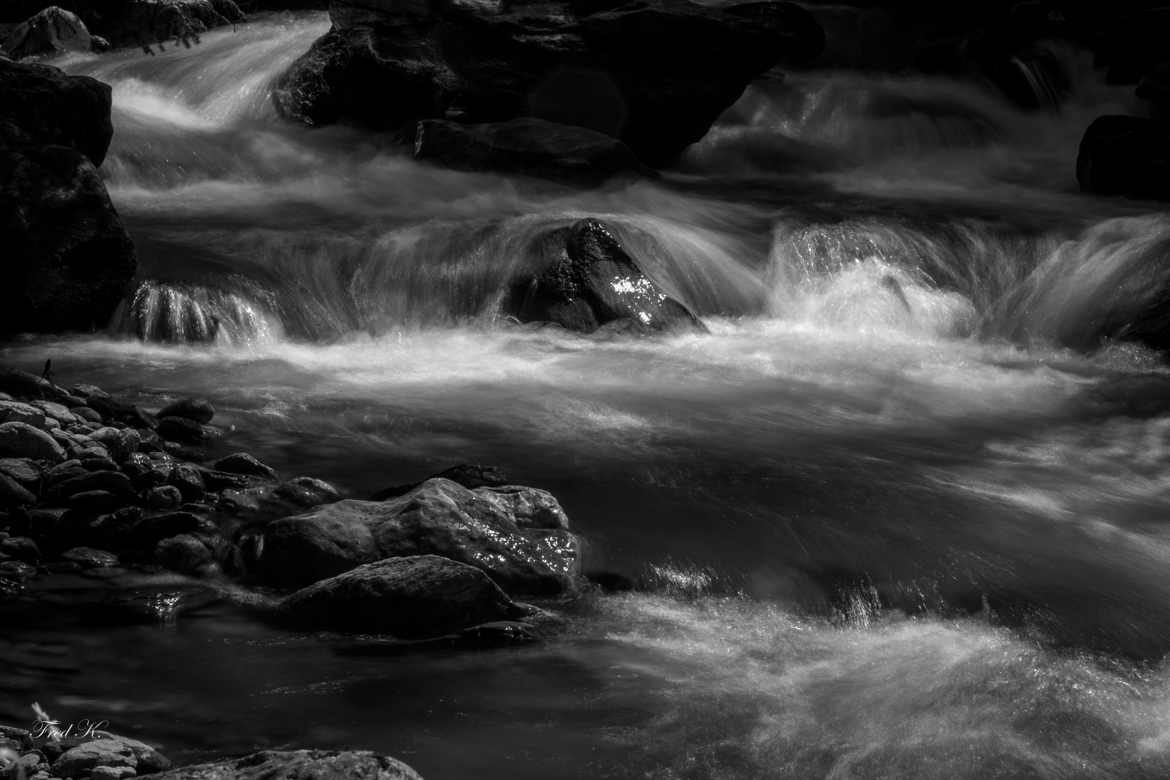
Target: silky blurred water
(900, 513)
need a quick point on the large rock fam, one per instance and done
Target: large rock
(141, 23)
(469, 475)
(415, 597)
(300, 764)
(110, 751)
(1126, 155)
(68, 260)
(580, 277)
(21, 440)
(529, 146)
(440, 517)
(43, 106)
(655, 75)
(51, 31)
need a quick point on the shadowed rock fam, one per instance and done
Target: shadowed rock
(528, 146)
(583, 279)
(415, 597)
(654, 75)
(302, 764)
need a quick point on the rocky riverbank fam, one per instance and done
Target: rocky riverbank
(44, 753)
(138, 515)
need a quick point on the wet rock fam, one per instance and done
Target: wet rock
(189, 481)
(152, 529)
(196, 409)
(120, 443)
(185, 554)
(302, 764)
(1125, 155)
(440, 517)
(114, 410)
(388, 66)
(18, 571)
(97, 463)
(581, 278)
(469, 475)
(94, 502)
(307, 492)
(245, 464)
(45, 107)
(90, 558)
(112, 773)
(21, 548)
(18, 411)
(13, 494)
(145, 472)
(411, 598)
(58, 412)
(21, 440)
(527, 146)
(51, 31)
(181, 430)
(23, 470)
(115, 752)
(163, 497)
(222, 480)
(70, 261)
(112, 482)
(87, 414)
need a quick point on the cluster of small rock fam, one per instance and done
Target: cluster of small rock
(89, 481)
(104, 756)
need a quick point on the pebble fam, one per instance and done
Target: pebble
(21, 440)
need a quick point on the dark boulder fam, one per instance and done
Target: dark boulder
(469, 475)
(797, 31)
(45, 107)
(301, 764)
(143, 23)
(50, 31)
(528, 146)
(389, 65)
(245, 465)
(182, 430)
(197, 409)
(1126, 155)
(68, 260)
(498, 533)
(580, 277)
(415, 597)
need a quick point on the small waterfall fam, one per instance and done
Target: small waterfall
(190, 314)
(1111, 283)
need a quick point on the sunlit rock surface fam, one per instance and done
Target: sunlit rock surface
(523, 552)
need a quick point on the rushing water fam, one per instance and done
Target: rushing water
(899, 514)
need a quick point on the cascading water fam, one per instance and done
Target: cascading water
(897, 514)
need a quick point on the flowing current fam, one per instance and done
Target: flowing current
(901, 513)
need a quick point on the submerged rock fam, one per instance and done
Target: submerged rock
(390, 65)
(439, 517)
(21, 440)
(580, 277)
(197, 409)
(302, 764)
(415, 597)
(527, 146)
